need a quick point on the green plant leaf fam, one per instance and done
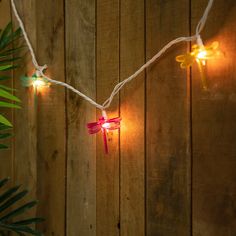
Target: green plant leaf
(7, 88)
(4, 127)
(6, 67)
(3, 182)
(8, 95)
(10, 52)
(3, 146)
(10, 197)
(19, 229)
(13, 200)
(10, 39)
(4, 77)
(8, 200)
(5, 35)
(8, 36)
(19, 210)
(8, 193)
(5, 135)
(29, 221)
(9, 105)
(5, 121)
(9, 60)
(12, 67)
(7, 57)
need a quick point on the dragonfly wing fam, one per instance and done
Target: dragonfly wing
(93, 127)
(114, 123)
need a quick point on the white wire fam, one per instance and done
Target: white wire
(203, 20)
(25, 36)
(121, 84)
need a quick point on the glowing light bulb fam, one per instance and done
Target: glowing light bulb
(39, 82)
(35, 80)
(199, 54)
(202, 55)
(206, 52)
(104, 124)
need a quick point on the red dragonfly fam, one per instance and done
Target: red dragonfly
(104, 125)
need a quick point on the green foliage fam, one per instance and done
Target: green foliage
(10, 206)
(8, 61)
(9, 209)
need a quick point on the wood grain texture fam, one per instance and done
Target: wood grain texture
(81, 163)
(25, 122)
(132, 56)
(6, 156)
(107, 65)
(167, 140)
(143, 187)
(214, 128)
(51, 118)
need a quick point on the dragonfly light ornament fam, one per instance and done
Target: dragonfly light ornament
(200, 54)
(35, 80)
(104, 125)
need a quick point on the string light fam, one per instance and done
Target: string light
(204, 53)
(199, 53)
(120, 85)
(36, 81)
(40, 82)
(105, 125)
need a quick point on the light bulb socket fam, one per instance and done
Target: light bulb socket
(199, 41)
(38, 73)
(104, 114)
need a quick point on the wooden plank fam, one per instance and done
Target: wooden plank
(81, 163)
(6, 156)
(132, 56)
(167, 140)
(25, 151)
(214, 128)
(107, 177)
(51, 118)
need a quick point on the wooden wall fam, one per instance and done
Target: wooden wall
(171, 169)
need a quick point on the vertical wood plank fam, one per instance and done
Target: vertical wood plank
(81, 163)
(132, 56)
(107, 76)
(214, 128)
(51, 118)
(6, 156)
(25, 151)
(168, 156)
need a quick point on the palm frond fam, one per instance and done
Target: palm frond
(8, 36)
(9, 209)
(4, 77)
(8, 61)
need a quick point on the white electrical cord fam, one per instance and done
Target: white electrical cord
(120, 85)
